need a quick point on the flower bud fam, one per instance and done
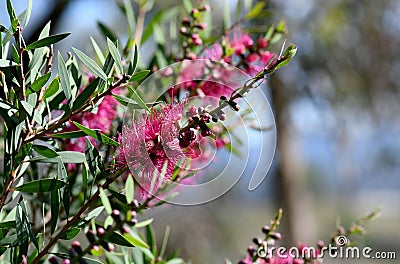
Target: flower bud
(91, 236)
(53, 260)
(100, 231)
(183, 30)
(108, 246)
(66, 261)
(265, 229)
(185, 21)
(257, 241)
(194, 12)
(116, 215)
(76, 246)
(205, 8)
(276, 236)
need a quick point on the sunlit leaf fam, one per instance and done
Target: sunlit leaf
(47, 41)
(91, 64)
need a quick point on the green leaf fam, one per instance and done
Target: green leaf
(84, 96)
(47, 41)
(118, 239)
(84, 180)
(52, 89)
(71, 134)
(105, 201)
(151, 239)
(22, 232)
(70, 233)
(54, 207)
(38, 83)
(91, 64)
(64, 79)
(135, 240)
(28, 226)
(45, 151)
(137, 99)
(94, 213)
(11, 14)
(93, 158)
(67, 198)
(188, 6)
(159, 36)
(287, 56)
(43, 185)
(71, 156)
(85, 260)
(107, 32)
(10, 240)
(256, 10)
(115, 54)
(98, 51)
(28, 13)
(129, 189)
(144, 223)
(97, 135)
(7, 63)
(129, 15)
(162, 15)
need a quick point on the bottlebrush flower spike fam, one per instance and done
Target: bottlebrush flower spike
(152, 142)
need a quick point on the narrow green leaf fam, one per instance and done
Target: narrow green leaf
(38, 186)
(129, 189)
(105, 201)
(70, 233)
(107, 32)
(188, 6)
(256, 10)
(151, 239)
(135, 240)
(28, 13)
(84, 180)
(54, 207)
(47, 41)
(115, 54)
(84, 96)
(45, 151)
(71, 134)
(138, 100)
(98, 51)
(118, 239)
(22, 232)
(67, 198)
(97, 135)
(129, 15)
(94, 213)
(52, 89)
(144, 223)
(28, 225)
(64, 79)
(11, 14)
(91, 64)
(93, 158)
(38, 83)
(71, 156)
(7, 63)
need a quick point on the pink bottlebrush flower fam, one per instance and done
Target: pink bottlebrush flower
(153, 141)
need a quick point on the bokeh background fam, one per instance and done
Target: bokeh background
(338, 124)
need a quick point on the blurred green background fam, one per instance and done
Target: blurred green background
(337, 111)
